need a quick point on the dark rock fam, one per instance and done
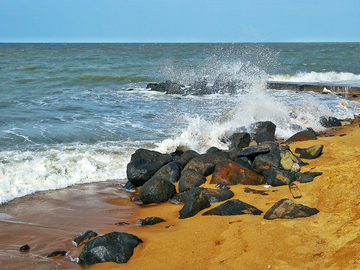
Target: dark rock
(233, 207)
(24, 248)
(307, 177)
(149, 221)
(252, 151)
(205, 164)
(305, 135)
(156, 190)
(212, 149)
(240, 140)
(276, 177)
(84, 237)
(122, 223)
(144, 164)
(330, 122)
(194, 203)
(263, 126)
(264, 162)
(169, 87)
(233, 152)
(187, 156)
(170, 172)
(190, 179)
(129, 187)
(151, 85)
(57, 252)
(244, 161)
(212, 195)
(224, 83)
(287, 209)
(233, 174)
(255, 191)
(112, 247)
(311, 152)
(136, 200)
(222, 185)
(264, 137)
(177, 154)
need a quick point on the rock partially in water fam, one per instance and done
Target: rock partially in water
(287, 209)
(89, 234)
(233, 207)
(112, 247)
(308, 134)
(239, 140)
(24, 248)
(57, 253)
(263, 126)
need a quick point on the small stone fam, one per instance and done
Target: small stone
(149, 221)
(24, 248)
(57, 252)
(233, 207)
(84, 237)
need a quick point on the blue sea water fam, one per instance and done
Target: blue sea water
(74, 113)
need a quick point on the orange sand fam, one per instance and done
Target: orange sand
(48, 221)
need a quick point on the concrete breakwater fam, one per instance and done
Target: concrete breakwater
(314, 86)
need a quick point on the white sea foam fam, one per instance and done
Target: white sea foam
(23, 173)
(335, 77)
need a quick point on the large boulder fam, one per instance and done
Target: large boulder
(252, 151)
(195, 202)
(212, 195)
(264, 137)
(232, 173)
(233, 207)
(305, 135)
(311, 152)
(239, 140)
(112, 247)
(170, 171)
(190, 179)
(276, 177)
(266, 161)
(263, 126)
(205, 164)
(287, 209)
(156, 190)
(187, 156)
(144, 164)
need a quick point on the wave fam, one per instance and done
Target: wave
(334, 77)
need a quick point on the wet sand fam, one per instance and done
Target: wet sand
(49, 221)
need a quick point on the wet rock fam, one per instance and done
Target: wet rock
(112, 247)
(224, 83)
(168, 86)
(305, 135)
(195, 202)
(170, 172)
(233, 207)
(24, 248)
(129, 187)
(212, 149)
(205, 164)
(190, 179)
(149, 221)
(263, 126)
(264, 137)
(57, 252)
(232, 173)
(307, 177)
(330, 122)
(240, 140)
(252, 151)
(122, 223)
(244, 161)
(187, 156)
(156, 190)
(222, 185)
(212, 195)
(276, 177)
(311, 152)
(144, 164)
(89, 234)
(287, 209)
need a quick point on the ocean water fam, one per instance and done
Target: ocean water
(74, 113)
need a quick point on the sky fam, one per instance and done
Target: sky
(179, 21)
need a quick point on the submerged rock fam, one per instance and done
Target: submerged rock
(57, 252)
(233, 207)
(112, 247)
(287, 209)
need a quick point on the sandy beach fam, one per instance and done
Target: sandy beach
(49, 221)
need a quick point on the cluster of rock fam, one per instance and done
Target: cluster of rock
(263, 162)
(224, 83)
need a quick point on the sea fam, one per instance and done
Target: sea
(75, 113)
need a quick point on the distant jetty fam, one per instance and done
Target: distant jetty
(316, 87)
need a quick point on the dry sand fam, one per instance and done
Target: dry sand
(48, 221)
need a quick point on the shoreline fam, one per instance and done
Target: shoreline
(50, 220)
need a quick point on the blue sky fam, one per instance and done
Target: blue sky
(179, 21)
